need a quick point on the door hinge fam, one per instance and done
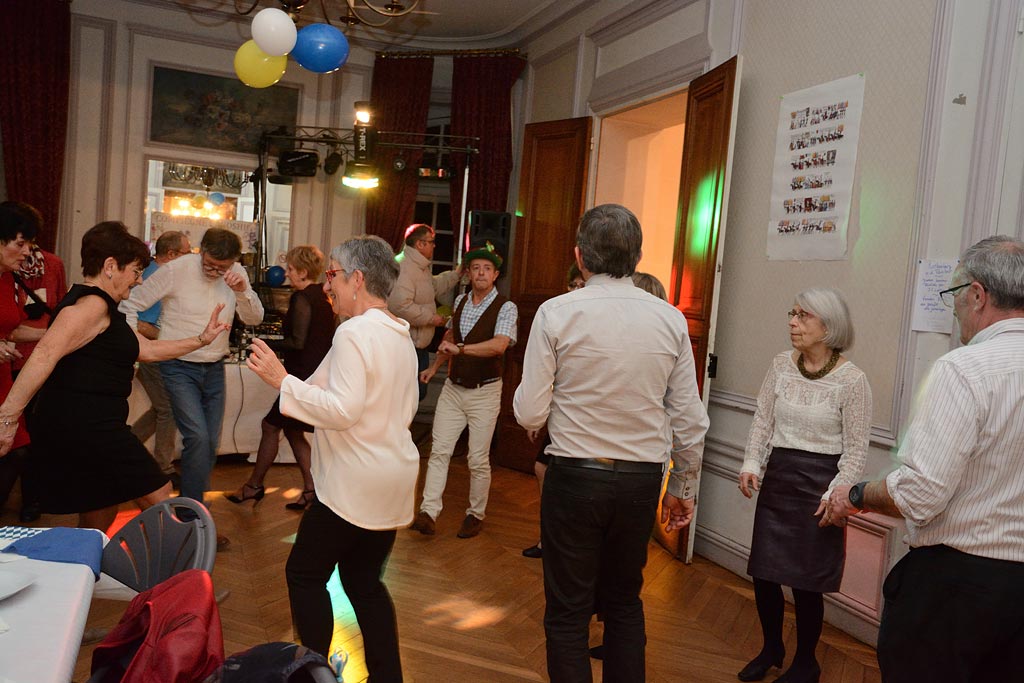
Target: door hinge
(712, 366)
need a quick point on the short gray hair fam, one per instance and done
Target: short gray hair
(371, 256)
(998, 264)
(830, 307)
(609, 238)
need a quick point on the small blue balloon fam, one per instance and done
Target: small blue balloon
(216, 198)
(320, 48)
(275, 276)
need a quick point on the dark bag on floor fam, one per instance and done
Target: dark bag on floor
(274, 663)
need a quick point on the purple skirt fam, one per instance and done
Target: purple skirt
(788, 547)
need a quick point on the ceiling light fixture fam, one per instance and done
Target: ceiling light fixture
(355, 10)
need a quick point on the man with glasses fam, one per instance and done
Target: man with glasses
(953, 603)
(188, 288)
(413, 298)
(159, 420)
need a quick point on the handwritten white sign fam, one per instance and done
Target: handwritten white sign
(195, 227)
(930, 314)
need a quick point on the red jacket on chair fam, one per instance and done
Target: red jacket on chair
(168, 634)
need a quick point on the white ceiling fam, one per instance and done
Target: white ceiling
(437, 24)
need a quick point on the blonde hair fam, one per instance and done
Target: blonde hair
(308, 258)
(650, 284)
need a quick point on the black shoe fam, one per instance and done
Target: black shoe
(757, 668)
(533, 552)
(29, 513)
(247, 492)
(801, 673)
(597, 652)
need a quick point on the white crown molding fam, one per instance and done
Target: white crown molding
(633, 17)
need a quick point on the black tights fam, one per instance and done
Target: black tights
(810, 612)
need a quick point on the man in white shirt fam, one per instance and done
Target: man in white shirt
(954, 608)
(189, 288)
(482, 328)
(610, 370)
(414, 295)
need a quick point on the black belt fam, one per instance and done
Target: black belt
(469, 385)
(608, 464)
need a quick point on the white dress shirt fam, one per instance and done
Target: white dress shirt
(361, 401)
(610, 369)
(830, 415)
(188, 298)
(961, 481)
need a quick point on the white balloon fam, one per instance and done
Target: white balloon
(274, 32)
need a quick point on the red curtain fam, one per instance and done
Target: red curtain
(34, 81)
(401, 98)
(482, 107)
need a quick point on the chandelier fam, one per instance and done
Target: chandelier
(207, 176)
(355, 10)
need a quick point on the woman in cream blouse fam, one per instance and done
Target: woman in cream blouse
(809, 434)
(360, 402)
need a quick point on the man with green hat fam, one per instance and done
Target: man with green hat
(481, 329)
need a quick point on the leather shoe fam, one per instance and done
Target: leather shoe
(424, 524)
(757, 668)
(471, 526)
(597, 652)
(534, 552)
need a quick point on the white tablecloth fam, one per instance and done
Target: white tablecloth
(247, 400)
(45, 620)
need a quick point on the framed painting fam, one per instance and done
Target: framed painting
(200, 110)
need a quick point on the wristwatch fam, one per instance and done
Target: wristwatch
(462, 348)
(857, 495)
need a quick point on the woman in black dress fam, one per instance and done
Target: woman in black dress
(308, 332)
(82, 368)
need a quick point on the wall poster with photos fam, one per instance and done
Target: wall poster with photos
(813, 171)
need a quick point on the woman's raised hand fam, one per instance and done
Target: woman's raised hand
(265, 363)
(215, 327)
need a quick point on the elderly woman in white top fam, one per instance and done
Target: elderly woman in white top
(360, 402)
(811, 430)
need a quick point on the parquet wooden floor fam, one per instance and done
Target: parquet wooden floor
(471, 610)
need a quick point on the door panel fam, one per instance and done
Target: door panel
(552, 190)
(700, 226)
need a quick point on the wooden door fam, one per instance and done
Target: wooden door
(552, 192)
(700, 226)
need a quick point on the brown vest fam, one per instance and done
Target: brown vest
(468, 371)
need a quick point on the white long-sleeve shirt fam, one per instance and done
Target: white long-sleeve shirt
(961, 481)
(610, 369)
(830, 415)
(361, 401)
(188, 298)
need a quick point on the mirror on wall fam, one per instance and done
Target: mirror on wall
(192, 196)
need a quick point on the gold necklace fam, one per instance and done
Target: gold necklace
(824, 370)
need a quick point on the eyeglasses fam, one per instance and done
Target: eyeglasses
(331, 274)
(138, 272)
(948, 295)
(210, 268)
(801, 315)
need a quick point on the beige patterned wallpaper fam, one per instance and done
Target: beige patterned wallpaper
(790, 45)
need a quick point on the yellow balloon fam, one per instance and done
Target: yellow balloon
(256, 68)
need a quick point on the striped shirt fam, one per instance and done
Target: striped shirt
(961, 480)
(508, 315)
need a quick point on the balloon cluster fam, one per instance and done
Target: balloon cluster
(261, 62)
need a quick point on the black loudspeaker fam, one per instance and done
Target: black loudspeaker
(298, 162)
(494, 227)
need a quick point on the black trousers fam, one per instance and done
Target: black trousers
(323, 541)
(952, 617)
(595, 526)
(422, 361)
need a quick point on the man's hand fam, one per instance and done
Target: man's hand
(437, 321)
(448, 348)
(428, 375)
(749, 483)
(838, 507)
(676, 512)
(235, 281)
(148, 330)
(532, 435)
(214, 327)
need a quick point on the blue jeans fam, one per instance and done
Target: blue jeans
(595, 526)
(196, 391)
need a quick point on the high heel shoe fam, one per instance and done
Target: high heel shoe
(257, 494)
(757, 668)
(304, 500)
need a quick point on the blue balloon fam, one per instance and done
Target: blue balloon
(275, 276)
(216, 198)
(320, 48)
